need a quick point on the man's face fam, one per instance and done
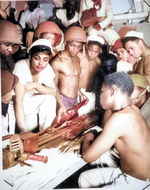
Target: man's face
(32, 5)
(105, 98)
(122, 54)
(134, 48)
(51, 37)
(71, 6)
(39, 61)
(7, 48)
(73, 47)
(93, 51)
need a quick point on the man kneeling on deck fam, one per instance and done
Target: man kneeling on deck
(127, 131)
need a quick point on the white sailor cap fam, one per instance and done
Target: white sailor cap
(95, 38)
(134, 34)
(42, 42)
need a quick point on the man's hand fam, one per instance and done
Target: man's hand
(83, 97)
(97, 26)
(3, 14)
(30, 86)
(62, 111)
(89, 137)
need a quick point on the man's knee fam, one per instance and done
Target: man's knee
(50, 102)
(83, 181)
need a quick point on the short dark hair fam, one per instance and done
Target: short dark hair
(122, 80)
(39, 48)
(95, 43)
(126, 39)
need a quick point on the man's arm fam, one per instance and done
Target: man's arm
(111, 132)
(18, 107)
(147, 68)
(82, 96)
(62, 108)
(42, 89)
(109, 15)
(3, 14)
(42, 16)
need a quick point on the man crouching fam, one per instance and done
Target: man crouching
(127, 130)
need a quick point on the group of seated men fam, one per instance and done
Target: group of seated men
(42, 83)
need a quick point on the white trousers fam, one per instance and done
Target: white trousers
(106, 159)
(8, 123)
(111, 178)
(110, 35)
(39, 110)
(90, 105)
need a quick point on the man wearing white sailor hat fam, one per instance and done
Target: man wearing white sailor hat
(90, 62)
(134, 44)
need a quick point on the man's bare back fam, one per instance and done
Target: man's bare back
(88, 69)
(126, 130)
(133, 143)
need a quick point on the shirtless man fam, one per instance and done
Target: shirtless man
(89, 65)
(66, 66)
(127, 131)
(134, 44)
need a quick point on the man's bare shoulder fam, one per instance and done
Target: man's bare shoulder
(56, 62)
(78, 58)
(146, 61)
(98, 61)
(121, 119)
(80, 54)
(57, 58)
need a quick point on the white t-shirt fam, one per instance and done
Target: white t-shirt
(61, 14)
(22, 70)
(124, 66)
(33, 19)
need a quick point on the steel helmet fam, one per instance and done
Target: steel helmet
(51, 27)
(75, 33)
(9, 32)
(123, 30)
(140, 81)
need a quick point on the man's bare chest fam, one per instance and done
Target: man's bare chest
(140, 67)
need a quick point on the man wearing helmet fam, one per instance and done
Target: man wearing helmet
(9, 40)
(8, 84)
(66, 66)
(140, 96)
(50, 31)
